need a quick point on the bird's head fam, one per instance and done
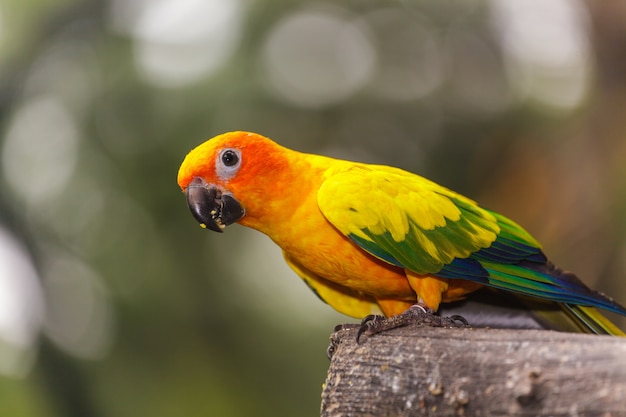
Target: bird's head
(231, 178)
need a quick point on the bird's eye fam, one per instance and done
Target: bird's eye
(230, 158)
(228, 163)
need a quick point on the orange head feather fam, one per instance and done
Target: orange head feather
(249, 167)
(260, 157)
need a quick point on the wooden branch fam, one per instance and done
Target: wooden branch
(424, 371)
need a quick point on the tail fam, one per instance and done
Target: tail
(490, 307)
(577, 301)
(591, 320)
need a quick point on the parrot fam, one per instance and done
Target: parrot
(379, 243)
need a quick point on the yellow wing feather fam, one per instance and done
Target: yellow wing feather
(403, 218)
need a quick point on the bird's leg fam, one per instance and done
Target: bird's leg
(416, 314)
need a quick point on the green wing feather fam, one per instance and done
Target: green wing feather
(409, 221)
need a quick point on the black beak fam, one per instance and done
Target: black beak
(213, 208)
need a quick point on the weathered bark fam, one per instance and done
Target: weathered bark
(417, 371)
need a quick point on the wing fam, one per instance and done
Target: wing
(405, 219)
(411, 222)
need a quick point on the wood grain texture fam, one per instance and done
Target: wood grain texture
(424, 371)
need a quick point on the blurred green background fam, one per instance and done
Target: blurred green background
(113, 302)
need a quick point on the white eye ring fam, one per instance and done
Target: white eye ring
(228, 163)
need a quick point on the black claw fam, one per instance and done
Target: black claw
(334, 338)
(332, 347)
(461, 319)
(369, 325)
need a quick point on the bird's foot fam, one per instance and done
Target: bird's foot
(334, 339)
(416, 314)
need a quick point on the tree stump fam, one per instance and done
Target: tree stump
(424, 371)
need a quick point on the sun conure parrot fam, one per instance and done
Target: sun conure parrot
(370, 238)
